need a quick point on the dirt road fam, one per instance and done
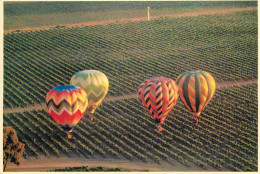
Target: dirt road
(43, 163)
(127, 96)
(185, 14)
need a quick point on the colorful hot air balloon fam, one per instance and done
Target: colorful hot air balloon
(196, 89)
(95, 84)
(66, 104)
(158, 95)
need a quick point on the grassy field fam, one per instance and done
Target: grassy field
(224, 45)
(32, 14)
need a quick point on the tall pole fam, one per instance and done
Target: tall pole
(148, 13)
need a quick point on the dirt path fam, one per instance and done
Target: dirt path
(43, 163)
(235, 83)
(185, 14)
(127, 96)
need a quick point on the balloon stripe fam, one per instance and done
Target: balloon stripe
(165, 92)
(192, 80)
(193, 103)
(158, 86)
(71, 109)
(153, 92)
(65, 102)
(159, 98)
(147, 100)
(185, 91)
(57, 97)
(149, 85)
(209, 91)
(61, 118)
(142, 95)
(166, 97)
(159, 102)
(197, 94)
(203, 91)
(171, 97)
(146, 93)
(158, 94)
(152, 97)
(191, 92)
(180, 84)
(159, 108)
(95, 79)
(212, 84)
(180, 77)
(159, 114)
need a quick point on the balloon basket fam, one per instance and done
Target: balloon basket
(196, 120)
(68, 136)
(160, 128)
(88, 117)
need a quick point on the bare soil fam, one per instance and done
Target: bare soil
(185, 14)
(43, 164)
(235, 83)
(127, 96)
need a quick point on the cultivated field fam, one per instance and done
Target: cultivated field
(129, 52)
(35, 14)
(224, 45)
(225, 138)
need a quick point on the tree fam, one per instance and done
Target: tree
(12, 148)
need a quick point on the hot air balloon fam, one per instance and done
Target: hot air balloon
(158, 95)
(66, 104)
(95, 84)
(196, 89)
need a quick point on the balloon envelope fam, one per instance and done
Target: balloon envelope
(66, 105)
(158, 95)
(196, 89)
(95, 84)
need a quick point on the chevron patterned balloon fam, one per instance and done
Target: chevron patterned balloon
(196, 89)
(95, 84)
(66, 104)
(158, 95)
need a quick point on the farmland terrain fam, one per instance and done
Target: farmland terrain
(127, 96)
(102, 22)
(224, 44)
(36, 14)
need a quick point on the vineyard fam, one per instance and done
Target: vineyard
(34, 14)
(129, 52)
(225, 138)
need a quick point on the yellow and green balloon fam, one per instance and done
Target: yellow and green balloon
(196, 89)
(95, 84)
